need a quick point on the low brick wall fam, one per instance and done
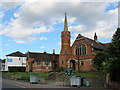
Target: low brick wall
(94, 81)
(65, 80)
(115, 86)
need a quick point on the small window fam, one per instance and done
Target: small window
(47, 63)
(62, 62)
(38, 63)
(82, 63)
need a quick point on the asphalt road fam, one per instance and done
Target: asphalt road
(7, 84)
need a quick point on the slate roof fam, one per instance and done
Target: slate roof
(17, 54)
(43, 56)
(96, 44)
(107, 44)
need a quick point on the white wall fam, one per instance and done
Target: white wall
(16, 62)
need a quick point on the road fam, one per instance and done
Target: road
(7, 84)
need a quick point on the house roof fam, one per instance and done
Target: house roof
(95, 44)
(107, 44)
(17, 54)
(43, 56)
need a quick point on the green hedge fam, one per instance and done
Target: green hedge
(16, 69)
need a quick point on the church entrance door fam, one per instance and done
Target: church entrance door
(72, 64)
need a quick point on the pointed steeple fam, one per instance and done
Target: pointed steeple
(65, 23)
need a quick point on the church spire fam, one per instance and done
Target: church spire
(65, 23)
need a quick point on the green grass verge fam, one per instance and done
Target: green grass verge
(84, 74)
(25, 75)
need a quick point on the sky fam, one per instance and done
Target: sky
(37, 26)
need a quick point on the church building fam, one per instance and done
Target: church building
(80, 54)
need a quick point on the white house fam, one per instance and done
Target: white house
(15, 60)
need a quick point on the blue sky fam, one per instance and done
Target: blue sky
(37, 26)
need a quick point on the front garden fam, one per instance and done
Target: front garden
(23, 75)
(95, 78)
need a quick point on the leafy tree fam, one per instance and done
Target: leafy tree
(109, 62)
(100, 60)
(114, 51)
(114, 48)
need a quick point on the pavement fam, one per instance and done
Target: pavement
(6, 84)
(50, 84)
(0, 80)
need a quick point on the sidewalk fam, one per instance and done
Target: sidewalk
(50, 84)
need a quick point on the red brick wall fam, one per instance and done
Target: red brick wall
(41, 68)
(87, 66)
(65, 42)
(28, 64)
(90, 53)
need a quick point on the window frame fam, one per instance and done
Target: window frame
(62, 62)
(81, 49)
(47, 62)
(38, 63)
(9, 60)
(81, 63)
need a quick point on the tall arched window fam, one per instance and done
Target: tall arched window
(80, 49)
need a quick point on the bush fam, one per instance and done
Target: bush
(59, 69)
(16, 69)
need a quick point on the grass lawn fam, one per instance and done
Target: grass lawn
(25, 75)
(84, 74)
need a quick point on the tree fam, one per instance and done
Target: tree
(114, 51)
(100, 60)
(114, 48)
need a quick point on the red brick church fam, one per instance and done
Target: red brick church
(79, 56)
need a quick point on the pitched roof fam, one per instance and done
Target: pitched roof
(43, 56)
(96, 44)
(17, 54)
(107, 44)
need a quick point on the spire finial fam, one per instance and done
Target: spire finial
(65, 13)
(95, 34)
(65, 23)
(95, 37)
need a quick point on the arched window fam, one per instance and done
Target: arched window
(76, 51)
(80, 49)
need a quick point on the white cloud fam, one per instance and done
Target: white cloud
(72, 20)
(42, 47)
(78, 28)
(105, 27)
(20, 42)
(59, 43)
(72, 40)
(44, 14)
(43, 38)
(6, 44)
(10, 5)
(1, 14)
